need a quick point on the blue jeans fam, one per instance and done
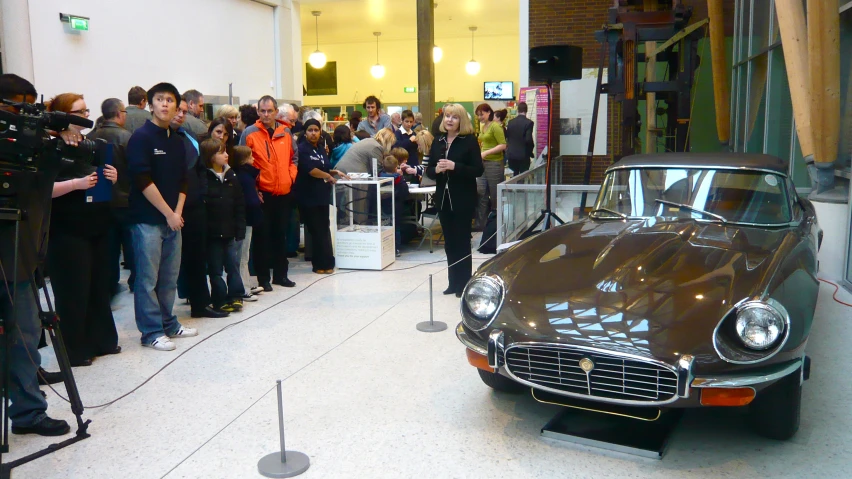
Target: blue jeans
(224, 254)
(156, 249)
(28, 406)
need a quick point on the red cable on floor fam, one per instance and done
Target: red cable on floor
(836, 289)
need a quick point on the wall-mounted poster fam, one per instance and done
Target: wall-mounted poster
(537, 102)
(577, 102)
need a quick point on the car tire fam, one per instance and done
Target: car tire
(500, 383)
(776, 411)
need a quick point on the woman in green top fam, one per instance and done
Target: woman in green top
(492, 142)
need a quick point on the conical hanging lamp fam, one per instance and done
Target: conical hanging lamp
(472, 66)
(377, 70)
(317, 58)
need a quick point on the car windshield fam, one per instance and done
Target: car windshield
(717, 195)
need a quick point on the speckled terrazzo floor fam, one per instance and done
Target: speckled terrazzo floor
(368, 396)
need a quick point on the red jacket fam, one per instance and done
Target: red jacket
(275, 157)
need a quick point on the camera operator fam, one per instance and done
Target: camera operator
(78, 257)
(28, 407)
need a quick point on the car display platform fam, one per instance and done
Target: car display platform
(623, 432)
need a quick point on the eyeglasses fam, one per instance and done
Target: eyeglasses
(122, 111)
(84, 111)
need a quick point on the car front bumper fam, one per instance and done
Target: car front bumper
(692, 391)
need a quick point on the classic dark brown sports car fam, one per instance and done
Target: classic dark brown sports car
(692, 282)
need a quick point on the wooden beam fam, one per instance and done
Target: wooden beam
(794, 40)
(425, 65)
(678, 36)
(721, 89)
(824, 66)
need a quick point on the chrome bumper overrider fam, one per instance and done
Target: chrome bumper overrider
(772, 373)
(495, 349)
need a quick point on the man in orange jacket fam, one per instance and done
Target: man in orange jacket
(274, 155)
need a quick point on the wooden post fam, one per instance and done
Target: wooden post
(794, 40)
(824, 66)
(650, 97)
(425, 65)
(721, 89)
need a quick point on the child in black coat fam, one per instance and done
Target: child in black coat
(226, 227)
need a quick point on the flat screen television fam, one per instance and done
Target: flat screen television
(321, 81)
(499, 90)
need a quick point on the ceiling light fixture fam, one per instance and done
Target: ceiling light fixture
(437, 54)
(317, 58)
(377, 70)
(472, 66)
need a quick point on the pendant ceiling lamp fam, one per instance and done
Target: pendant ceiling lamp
(377, 70)
(317, 58)
(472, 66)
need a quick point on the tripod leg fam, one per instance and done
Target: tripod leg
(51, 323)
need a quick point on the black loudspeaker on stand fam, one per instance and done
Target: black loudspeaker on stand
(50, 322)
(551, 64)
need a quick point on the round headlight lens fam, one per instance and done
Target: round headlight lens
(483, 297)
(759, 327)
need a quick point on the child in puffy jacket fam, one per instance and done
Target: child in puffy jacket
(226, 227)
(243, 163)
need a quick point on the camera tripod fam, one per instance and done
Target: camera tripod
(9, 328)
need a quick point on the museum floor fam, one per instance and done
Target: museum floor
(368, 396)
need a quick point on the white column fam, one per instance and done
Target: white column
(524, 42)
(17, 43)
(288, 51)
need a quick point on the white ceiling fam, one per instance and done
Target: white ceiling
(354, 21)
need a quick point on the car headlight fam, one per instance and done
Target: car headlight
(759, 326)
(482, 298)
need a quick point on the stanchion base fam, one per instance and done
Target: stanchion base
(271, 466)
(431, 327)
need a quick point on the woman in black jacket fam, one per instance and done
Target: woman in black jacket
(78, 256)
(455, 162)
(226, 227)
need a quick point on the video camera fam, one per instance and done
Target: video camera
(24, 138)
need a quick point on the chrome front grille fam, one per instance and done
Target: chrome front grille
(612, 376)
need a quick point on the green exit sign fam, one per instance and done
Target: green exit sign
(79, 23)
(409, 89)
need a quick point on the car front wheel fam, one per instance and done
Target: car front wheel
(776, 410)
(500, 383)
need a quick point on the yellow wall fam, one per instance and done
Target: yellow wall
(497, 55)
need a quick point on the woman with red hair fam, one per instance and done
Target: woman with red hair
(77, 255)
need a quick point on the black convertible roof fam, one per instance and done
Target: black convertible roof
(748, 161)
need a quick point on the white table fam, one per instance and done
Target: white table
(426, 191)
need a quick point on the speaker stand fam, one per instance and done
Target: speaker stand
(547, 219)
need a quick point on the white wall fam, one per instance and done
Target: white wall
(200, 44)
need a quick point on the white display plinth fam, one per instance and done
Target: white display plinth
(363, 225)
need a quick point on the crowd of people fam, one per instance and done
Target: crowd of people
(209, 211)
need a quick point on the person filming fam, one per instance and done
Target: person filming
(28, 408)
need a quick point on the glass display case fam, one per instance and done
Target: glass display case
(363, 223)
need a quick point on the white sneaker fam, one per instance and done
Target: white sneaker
(184, 333)
(161, 344)
(256, 291)
(250, 297)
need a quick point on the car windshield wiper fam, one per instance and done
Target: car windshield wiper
(692, 208)
(607, 210)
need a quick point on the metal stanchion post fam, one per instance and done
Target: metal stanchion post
(431, 326)
(284, 463)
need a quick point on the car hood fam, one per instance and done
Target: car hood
(650, 287)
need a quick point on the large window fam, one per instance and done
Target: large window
(761, 110)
